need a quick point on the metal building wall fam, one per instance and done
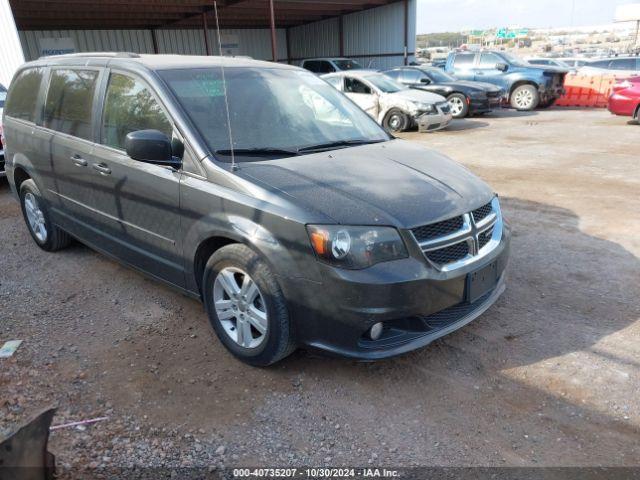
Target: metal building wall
(10, 52)
(369, 36)
(255, 43)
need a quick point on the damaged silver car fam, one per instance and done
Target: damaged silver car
(394, 106)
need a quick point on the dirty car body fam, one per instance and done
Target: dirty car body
(382, 98)
(314, 228)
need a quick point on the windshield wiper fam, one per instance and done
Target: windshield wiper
(338, 144)
(257, 152)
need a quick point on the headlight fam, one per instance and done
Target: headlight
(477, 95)
(426, 107)
(356, 247)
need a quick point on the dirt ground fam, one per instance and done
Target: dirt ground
(550, 375)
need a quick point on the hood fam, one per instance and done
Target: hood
(414, 95)
(394, 183)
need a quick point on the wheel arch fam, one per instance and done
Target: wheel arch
(519, 83)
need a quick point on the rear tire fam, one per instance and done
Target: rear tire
(459, 105)
(396, 120)
(525, 98)
(258, 343)
(47, 236)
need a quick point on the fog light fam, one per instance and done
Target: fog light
(375, 331)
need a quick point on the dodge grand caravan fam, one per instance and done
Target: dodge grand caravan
(259, 189)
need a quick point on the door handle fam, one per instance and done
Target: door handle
(79, 161)
(102, 168)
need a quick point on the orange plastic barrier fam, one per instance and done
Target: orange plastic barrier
(587, 90)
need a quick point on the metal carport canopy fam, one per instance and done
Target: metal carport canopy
(176, 14)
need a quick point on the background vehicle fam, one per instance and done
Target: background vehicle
(554, 62)
(395, 106)
(465, 97)
(3, 96)
(312, 226)
(625, 98)
(330, 65)
(527, 86)
(622, 66)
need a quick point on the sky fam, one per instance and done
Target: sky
(457, 15)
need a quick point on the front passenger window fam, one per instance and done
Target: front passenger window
(129, 106)
(353, 85)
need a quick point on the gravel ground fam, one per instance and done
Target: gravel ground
(548, 376)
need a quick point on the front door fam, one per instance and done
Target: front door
(486, 70)
(138, 202)
(363, 95)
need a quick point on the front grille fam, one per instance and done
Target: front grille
(484, 238)
(481, 213)
(439, 229)
(449, 254)
(459, 238)
(450, 315)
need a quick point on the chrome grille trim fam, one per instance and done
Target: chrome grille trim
(469, 233)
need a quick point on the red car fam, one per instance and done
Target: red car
(625, 98)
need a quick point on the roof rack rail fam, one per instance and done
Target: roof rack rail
(97, 54)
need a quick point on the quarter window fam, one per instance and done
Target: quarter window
(24, 95)
(129, 106)
(70, 102)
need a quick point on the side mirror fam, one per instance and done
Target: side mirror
(503, 67)
(151, 146)
(425, 80)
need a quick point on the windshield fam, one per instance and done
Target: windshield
(438, 76)
(514, 60)
(273, 111)
(347, 65)
(384, 83)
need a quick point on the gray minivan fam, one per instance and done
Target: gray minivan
(259, 189)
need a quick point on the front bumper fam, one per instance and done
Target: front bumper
(430, 122)
(416, 302)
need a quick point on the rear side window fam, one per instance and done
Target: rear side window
(395, 74)
(21, 103)
(410, 76)
(600, 64)
(463, 60)
(70, 102)
(319, 66)
(129, 106)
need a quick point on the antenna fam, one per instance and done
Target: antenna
(234, 167)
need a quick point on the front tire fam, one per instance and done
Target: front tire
(459, 105)
(246, 306)
(525, 98)
(396, 120)
(47, 236)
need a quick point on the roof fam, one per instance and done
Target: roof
(151, 14)
(159, 62)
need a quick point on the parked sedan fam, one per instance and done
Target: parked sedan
(395, 106)
(464, 97)
(625, 99)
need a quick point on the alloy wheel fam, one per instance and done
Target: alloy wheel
(240, 307)
(524, 98)
(35, 217)
(456, 106)
(395, 122)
